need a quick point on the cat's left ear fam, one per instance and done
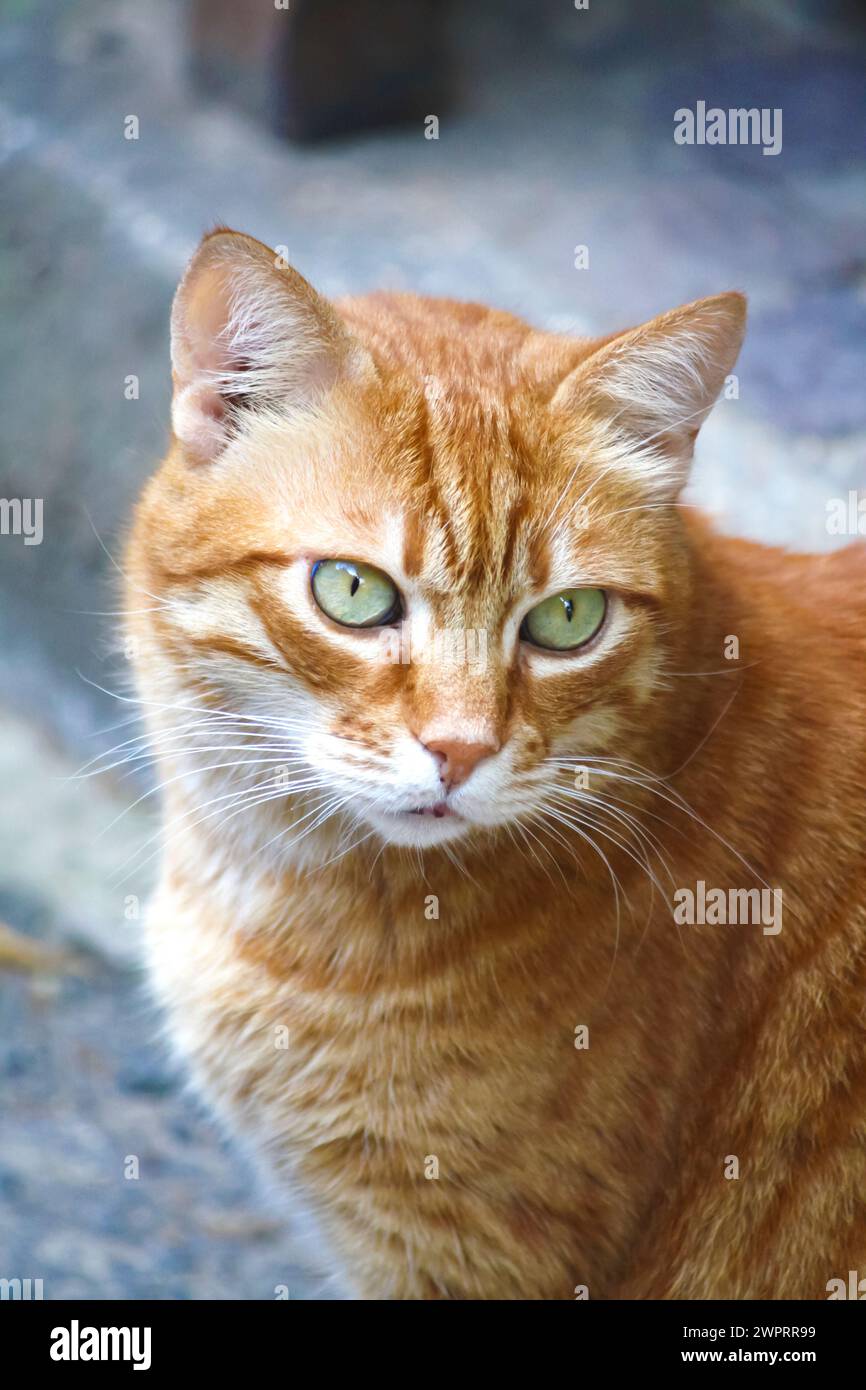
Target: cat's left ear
(248, 333)
(655, 385)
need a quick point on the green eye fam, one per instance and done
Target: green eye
(355, 594)
(565, 621)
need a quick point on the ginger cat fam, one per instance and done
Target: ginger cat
(423, 928)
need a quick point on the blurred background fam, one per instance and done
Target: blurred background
(126, 130)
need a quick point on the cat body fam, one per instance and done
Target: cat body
(415, 931)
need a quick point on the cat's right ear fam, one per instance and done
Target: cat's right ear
(249, 333)
(656, 384)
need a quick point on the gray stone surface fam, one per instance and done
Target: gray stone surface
(88, 1101)
(562, 135)
(85, 1082)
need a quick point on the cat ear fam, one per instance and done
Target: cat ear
(248, 332)
(656, 384)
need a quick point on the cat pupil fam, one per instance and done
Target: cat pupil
(355, 585)
(569, 608)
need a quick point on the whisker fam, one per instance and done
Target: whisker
(180, 776)
(618, 890)
(118, 567)
(244, 797)
(652, 783)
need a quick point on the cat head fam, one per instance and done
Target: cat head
(431, 552)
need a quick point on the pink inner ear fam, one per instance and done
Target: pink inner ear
(205, 318)
(212, 405)
(206, 350)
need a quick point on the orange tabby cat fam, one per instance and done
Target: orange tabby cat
(511, 900)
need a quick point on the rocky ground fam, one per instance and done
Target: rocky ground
(113, 1184)
(561, 136)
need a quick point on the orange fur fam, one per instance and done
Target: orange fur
(484, 465)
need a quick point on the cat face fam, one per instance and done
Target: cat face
(430, 553)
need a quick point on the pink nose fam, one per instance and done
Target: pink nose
(458, 759)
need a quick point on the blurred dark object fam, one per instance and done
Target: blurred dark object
(320, 68)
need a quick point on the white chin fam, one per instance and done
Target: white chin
(406, 828)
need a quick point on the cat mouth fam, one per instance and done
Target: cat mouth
(420, 825)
